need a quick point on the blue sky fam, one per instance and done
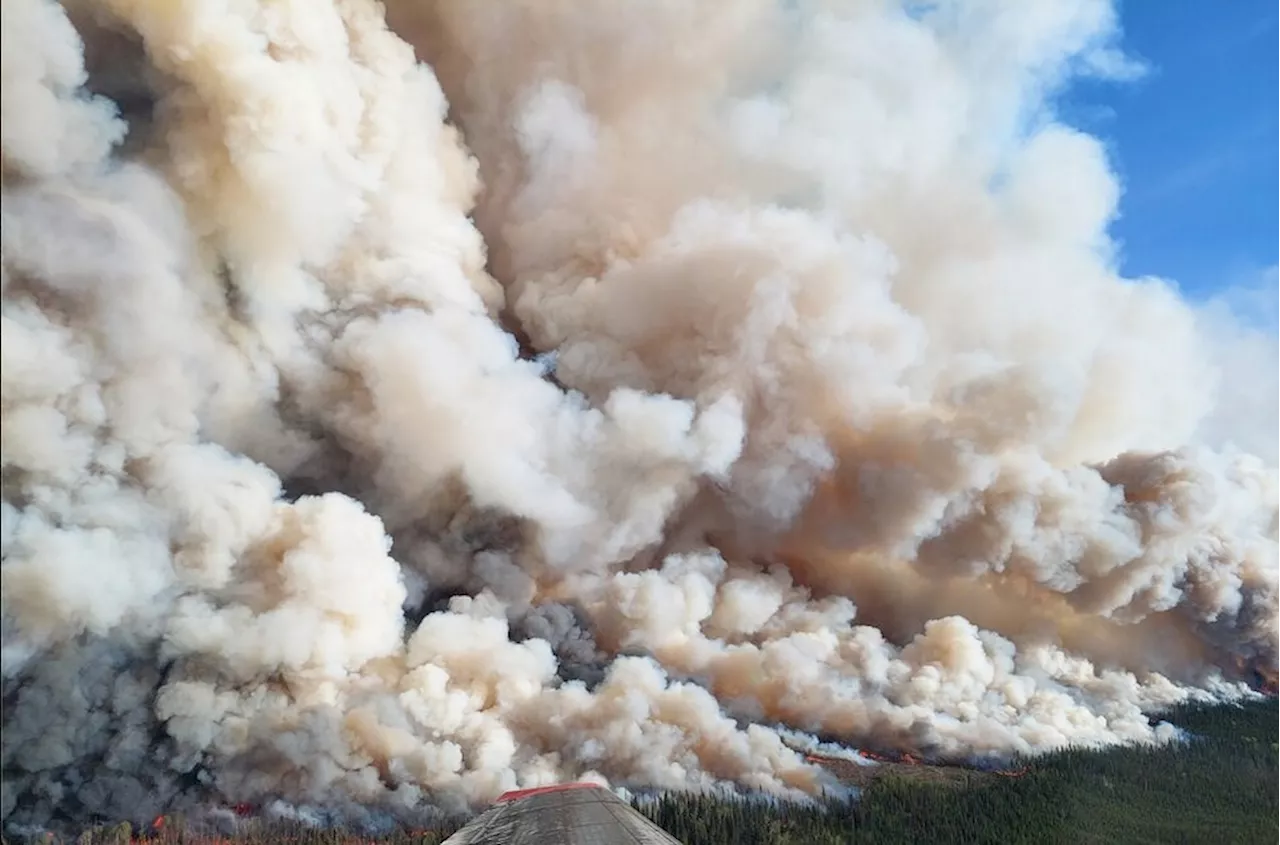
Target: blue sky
(1194, 141)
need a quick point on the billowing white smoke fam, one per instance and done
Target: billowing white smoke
(784, 378)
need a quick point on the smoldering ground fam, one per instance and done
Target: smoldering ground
(405, 405)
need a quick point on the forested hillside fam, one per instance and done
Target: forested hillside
(1219, 787)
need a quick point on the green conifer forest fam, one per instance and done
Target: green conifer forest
(1218, 787)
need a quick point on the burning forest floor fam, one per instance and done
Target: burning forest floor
(1219, 787)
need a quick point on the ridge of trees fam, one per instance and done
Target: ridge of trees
(1219, 787)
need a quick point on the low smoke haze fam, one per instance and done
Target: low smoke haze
(404, 405)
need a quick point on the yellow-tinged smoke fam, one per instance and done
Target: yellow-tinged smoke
(751, 368)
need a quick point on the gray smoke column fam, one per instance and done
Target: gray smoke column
(404, 406)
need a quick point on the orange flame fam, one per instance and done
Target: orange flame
(905, 758)
(911, 760)
(1268, 677)
(1258, 675)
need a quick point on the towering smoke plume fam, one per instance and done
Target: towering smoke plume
(405, 405)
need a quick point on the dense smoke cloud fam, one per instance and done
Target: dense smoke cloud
(398, 410)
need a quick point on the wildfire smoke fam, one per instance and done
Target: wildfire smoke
(406, 405)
